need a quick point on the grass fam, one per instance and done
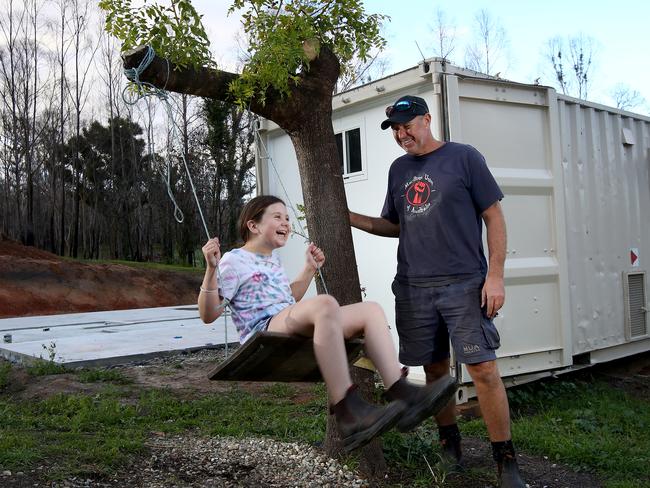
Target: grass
(43, 367)
(81, 434)
(145, 265)
(582, 422)
(5, 369)
(103, 376)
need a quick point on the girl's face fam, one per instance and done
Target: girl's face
(274, 228)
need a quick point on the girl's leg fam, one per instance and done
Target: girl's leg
(422, 402)
(368, 319)
(321, 318)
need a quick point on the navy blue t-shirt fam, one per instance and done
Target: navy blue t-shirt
(437, 200)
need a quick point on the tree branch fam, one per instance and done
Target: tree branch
(315, 86)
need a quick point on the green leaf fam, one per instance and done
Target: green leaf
(282, 36)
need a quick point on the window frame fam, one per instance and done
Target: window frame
(342, 131)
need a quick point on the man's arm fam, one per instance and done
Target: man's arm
(374, 225)
(493, 294)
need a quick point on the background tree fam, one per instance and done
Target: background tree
(84, 48)
(59, 167)
(444, 31)
(362, 71)
(488, 52)
(298, 50)
(229, 138)
(627, 98)
(554, 48)
(572, 63)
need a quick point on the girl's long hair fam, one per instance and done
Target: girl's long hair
(253, 210)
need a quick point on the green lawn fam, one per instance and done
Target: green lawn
(581, 422)
(96, 434)
(584, 423)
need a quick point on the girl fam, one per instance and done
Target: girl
(261, 298)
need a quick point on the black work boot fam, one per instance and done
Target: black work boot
(451, 453)
(421, 401)
(359, 421)
(504, 455)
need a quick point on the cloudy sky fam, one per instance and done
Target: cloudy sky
(619, 29)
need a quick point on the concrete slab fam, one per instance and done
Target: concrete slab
(105, 338)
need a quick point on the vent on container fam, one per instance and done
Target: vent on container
(636, 305)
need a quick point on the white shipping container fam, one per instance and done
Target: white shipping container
(577, 203)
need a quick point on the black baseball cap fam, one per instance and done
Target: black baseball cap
(403, 110)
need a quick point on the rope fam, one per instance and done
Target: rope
(303, 232)
(146, 90)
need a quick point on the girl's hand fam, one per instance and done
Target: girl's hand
(212, 252)
(314, 256)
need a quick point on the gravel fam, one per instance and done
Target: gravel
(186, 461)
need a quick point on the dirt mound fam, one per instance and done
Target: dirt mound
(36, 282)
(16, 249)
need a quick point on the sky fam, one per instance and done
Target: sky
(619, 29)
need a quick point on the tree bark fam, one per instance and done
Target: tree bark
(307, 119)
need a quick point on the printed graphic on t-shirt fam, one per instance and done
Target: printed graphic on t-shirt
(421, 196)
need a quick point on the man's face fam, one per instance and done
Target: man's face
(414, 136)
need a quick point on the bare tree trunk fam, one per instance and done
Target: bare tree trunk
(61, 59)
(31, 134)
(76, 165)
(10, 27)
(82, 46)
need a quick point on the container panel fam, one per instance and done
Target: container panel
(512, 127)
(529, 221)
(605, 161)
(509, 135)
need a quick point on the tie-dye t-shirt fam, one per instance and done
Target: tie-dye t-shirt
(257, 288)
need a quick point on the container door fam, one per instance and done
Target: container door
(515, 127)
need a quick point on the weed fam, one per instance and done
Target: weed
(280, 390)
(412, 453)
(51, 351)
(438, 474)
(43, 368)
(103, 376)
(5, 368)
(409, 449)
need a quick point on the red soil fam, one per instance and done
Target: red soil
(36, 282)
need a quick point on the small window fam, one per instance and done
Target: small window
(348, 144)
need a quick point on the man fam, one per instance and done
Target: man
(439, 193)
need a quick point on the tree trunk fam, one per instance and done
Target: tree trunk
(329, 227)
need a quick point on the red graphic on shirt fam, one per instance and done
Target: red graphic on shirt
(418, 193)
